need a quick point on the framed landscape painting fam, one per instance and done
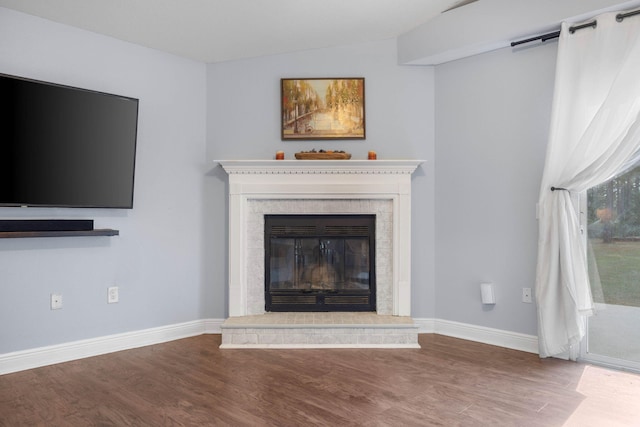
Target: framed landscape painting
(322, 108)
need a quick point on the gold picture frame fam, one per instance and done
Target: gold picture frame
(322, 108)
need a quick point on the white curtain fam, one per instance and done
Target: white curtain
(594, 135)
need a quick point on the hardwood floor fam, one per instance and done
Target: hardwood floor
(191, 382)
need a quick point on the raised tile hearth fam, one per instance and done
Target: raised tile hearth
(319, 330)
(265, 187)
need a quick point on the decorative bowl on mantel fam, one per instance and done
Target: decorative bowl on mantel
(322, 155)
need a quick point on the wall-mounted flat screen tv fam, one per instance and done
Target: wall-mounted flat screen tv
(62, 146)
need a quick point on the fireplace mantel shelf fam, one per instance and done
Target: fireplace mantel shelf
(319, 166)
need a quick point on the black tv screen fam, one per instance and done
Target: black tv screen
(65, 147)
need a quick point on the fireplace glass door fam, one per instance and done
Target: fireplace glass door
(320, 263)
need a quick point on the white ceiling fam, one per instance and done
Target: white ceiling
(222, 30)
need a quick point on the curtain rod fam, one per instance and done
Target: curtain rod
(620, 17)
(555, 34)
(543, 37)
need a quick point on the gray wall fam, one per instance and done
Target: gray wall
(492, 121)
(243, 122)
(480, 123)
(157, 260)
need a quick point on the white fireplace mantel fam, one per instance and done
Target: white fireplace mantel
(300, 185)
(311, 167)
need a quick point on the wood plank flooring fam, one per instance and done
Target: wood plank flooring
(448, 382)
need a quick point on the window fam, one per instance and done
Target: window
(613, 236)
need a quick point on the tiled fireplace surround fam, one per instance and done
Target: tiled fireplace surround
(260, 187)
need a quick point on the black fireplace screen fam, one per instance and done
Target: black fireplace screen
(320, 262)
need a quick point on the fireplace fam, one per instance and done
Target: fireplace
(340, 189)
(320, 263)
(380, 188)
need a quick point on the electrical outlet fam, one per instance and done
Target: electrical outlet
(113, 295)
(56, 301)
(526, 295)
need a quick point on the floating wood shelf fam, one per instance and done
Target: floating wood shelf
(23, 234)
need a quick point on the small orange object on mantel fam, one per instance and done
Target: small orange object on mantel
(372, 155)
(279, 155)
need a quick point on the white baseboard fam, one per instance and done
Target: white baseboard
(212, 326)
(425, 326)
(43, 356)
(497, 337)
